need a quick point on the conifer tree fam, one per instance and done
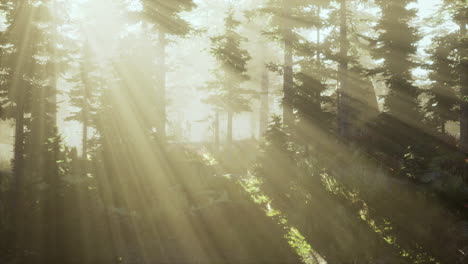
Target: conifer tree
(166, 16)
(84, 95)
(396, 45)
(286, 17)
(445, 78)
(226, 91)
(459, 13)
(30, 65)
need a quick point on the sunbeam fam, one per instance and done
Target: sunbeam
(222, 132)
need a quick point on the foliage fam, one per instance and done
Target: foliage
(396, 46)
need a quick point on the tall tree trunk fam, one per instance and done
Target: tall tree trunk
(319, 27)
(21, 11)
(464, 88)
(16, 192)
(85, 116)
(161, 120)
(18, 160)
(253, 124)
(53, 69)
(38, 132)
(288, 77)
(264, 103)
(229, 127)
(216, 130)
(344, 97)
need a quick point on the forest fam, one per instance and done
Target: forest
(233, 131)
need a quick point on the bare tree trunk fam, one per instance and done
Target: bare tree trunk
(319, 27)
(288, 77)
(264, 103)
(18, 160)
(288, 81)
(216, 130)
(87, 94)
(229, 127)
(344, 99)
(161, 113)
(16, 193)
(53, 69)
(463, 90)
(84, 138)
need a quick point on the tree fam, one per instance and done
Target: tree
(30, 61)
(84, 95)
(226, 91)
(396, 45)
(445, 78)
(344, 94)
(264, 102)
(460, 16)
(356, 100)
(166, 16)
(286, 16)
(16, 63)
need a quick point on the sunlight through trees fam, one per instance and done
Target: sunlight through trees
(250, 131)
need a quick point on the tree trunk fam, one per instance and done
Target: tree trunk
(229, 127)
(161, 78)
(288, 114)
(17, 221)
(216, 130)
(464, 89)
(343, 99)
(84, 139)
(18, 163)
(319, 27)
(264, 103)
(53, 69)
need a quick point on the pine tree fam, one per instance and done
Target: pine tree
(445, 78)
(459, 12)
(30, 65)
(226, 91)
(396, 45)
(264, 102)
(286, 17)
(343, 74)
(16, 61)
(166, 16)
(84, 95)
(356, 102)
